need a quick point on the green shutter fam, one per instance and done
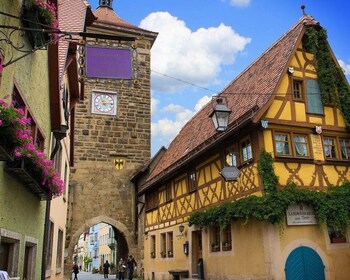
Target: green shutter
(314, 103)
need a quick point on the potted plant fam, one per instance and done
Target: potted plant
(25, 161)
(40, 15)
(226, 245)
(162, 254)
(153, 255)
(215, 247)
(170, 253)
(14, 130)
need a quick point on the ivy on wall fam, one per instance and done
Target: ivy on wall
(332, 207)
(266, 171)
(333, 85)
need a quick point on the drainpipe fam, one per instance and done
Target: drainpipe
(46, 233)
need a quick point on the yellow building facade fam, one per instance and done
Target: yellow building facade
(276, 107)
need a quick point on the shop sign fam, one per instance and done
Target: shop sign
(300, 214)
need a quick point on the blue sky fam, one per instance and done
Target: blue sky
(204, 44)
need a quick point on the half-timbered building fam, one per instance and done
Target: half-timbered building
(277, 109)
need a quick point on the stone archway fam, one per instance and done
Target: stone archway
(128, 239)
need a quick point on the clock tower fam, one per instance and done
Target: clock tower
(112, 132)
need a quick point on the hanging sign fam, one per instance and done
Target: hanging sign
(300, 214)
(108, 63)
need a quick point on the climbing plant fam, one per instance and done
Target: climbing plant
(266, 172)
(334, 88)
(332, 208)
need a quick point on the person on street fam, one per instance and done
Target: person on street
(106, 269)
(121, 268)
(131, 265)
(75, 270)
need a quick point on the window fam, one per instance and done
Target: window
(49, 246)
(152, 200)
(345, 148)
(314, 103)
(163, 245)
(168, 192)
(246, 148)
(215, 238)
(170, 247)
(298, 147)
(226, 238)
(329, 147)
(297, 90)
(231, 158)
(336, 236)
(19, 103)
(153, 246)
(282, 144)
(301, 145)
(9, 252)
(59, 249)
(192, 181)
(29, 260)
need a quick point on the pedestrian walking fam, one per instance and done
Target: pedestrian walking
(131, 265)
(75, 270)
(106, 269)
(121, 268)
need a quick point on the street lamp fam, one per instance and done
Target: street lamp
(220, 115)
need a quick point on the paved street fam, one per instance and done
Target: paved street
(82, 275)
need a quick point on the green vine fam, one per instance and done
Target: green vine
(332, 208)
(334, 88)
(266, 172)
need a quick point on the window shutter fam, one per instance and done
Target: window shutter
(314, 103)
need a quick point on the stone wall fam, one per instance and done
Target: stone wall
(100, 192)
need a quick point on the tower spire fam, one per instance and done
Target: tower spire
(106, 3)
(303, 8)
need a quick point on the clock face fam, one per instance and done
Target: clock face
(104, 103)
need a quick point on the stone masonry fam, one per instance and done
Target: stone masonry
(99, 192)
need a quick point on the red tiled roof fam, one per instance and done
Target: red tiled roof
(251, 89)
(71, 18)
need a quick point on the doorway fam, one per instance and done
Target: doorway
(197, 254)
(304, 263)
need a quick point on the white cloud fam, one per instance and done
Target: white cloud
(164, 130)
(154, 104)
(240, 3)
(195, 57)
(346, 67)
(202, 102)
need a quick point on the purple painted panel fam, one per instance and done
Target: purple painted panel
(108, 63)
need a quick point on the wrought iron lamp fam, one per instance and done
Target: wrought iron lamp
(220, 115)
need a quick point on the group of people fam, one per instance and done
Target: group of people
(123, 266)
(129, 266)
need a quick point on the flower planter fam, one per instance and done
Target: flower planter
(32, 20)
(340, 239)
(21, 170)
(6, 149)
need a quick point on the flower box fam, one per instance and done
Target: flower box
(6, 149)
(31, 19)
(21, 170)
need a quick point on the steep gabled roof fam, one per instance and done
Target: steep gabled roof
(245, 95)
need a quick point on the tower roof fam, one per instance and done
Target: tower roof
(106, 15)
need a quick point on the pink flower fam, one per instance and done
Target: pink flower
(0, 122)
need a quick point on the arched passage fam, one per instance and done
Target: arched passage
(122, 236)
(303, 263)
